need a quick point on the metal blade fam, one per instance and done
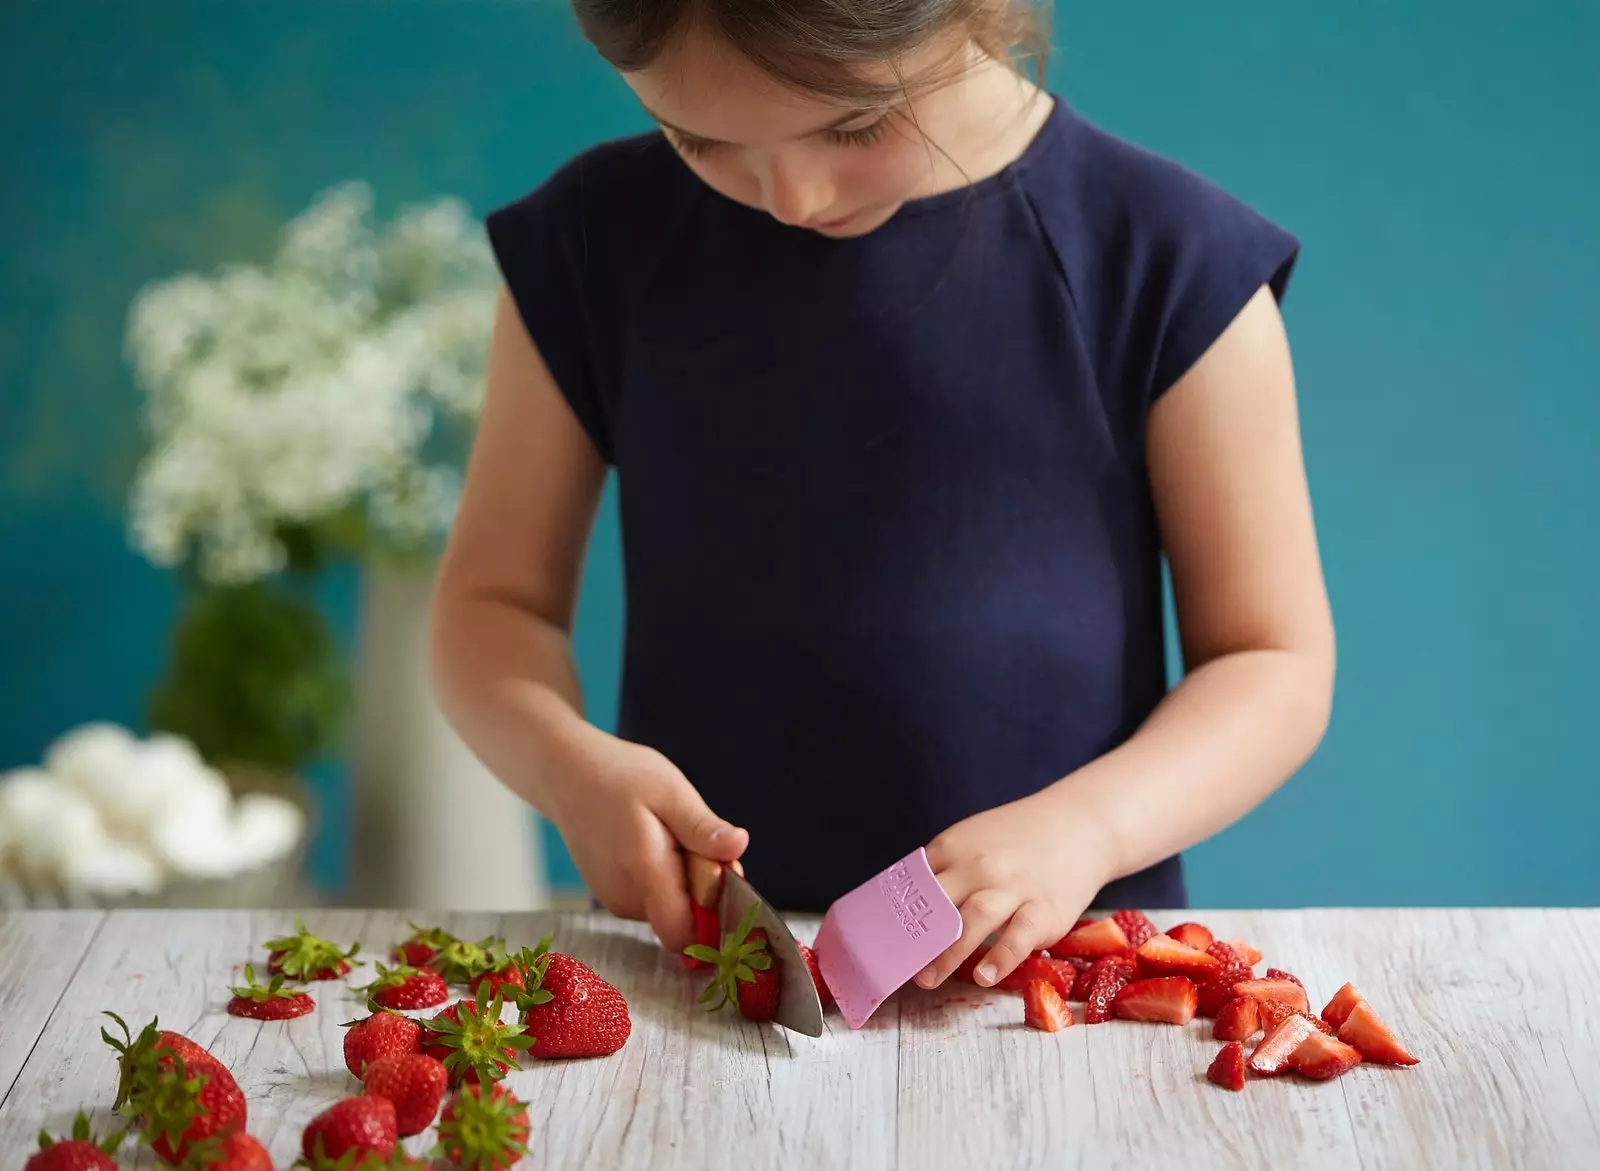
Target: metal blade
(799, 1006)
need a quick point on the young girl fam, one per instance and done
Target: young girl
(909, 376)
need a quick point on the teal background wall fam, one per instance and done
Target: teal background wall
(1439, 160)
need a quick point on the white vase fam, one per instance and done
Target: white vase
(431, 827)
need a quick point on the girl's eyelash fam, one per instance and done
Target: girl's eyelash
(859, 136)
(694, 147)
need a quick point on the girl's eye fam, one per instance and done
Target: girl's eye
(861, 135)
(693, 147)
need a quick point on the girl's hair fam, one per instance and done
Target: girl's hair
(824, 47)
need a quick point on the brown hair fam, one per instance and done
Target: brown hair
(823, 47)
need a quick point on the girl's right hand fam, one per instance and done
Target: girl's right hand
(627, 814)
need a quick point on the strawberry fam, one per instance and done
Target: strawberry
(1239, 1020)
(1164, 999)
(517, 975)
(1321, 1057)
(1162, 955)
(414, 1083)
(1367, 1033)
(304, 956)
(1072, 970)
(472, 1041)
(581, 1016)
(968, 967)
(705, 896)
(1136, 925)
(267, 1002)
(380, 1035)
(1085, 979)
(707, 933)
(1106, 978)
(1227, 1069)
(824, 993)
(1252, 957)
(421, 946)
(234, 1151)
(81, 1152)
(406, 987)
(1272, 1013)
(1227, 955)
(507, 975)
(177, 1104)
(459, 961)
(1043, 1008)
(1217, 992)
(746, 972)
(1031, 968)
(1283, 991)
(1339, 1007)
(484, 1129)
(1101, 938)
(351, 1126)
(1193, 934)
(1061, 974)
(1273, 1053)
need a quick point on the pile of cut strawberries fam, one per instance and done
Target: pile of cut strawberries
(1122, 968)
(182, 1103)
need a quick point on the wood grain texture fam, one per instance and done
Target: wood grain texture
(1498, 1004)
(39, 952)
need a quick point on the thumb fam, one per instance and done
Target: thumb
(690, 820)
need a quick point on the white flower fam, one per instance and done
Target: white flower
(27, 796)
(265, 829)
(67, 827)
(164, 771)
(112, 869)
(91, 757)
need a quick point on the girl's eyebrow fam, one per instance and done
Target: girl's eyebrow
(834, 125)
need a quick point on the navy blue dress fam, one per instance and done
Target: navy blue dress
(891, 557)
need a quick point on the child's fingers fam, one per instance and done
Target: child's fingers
(1028, 931)
(981, 915)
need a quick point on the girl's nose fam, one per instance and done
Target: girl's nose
(793, 192)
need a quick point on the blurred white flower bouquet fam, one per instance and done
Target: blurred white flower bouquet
(311, 409)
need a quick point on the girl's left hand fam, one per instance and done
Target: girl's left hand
(1025, 872)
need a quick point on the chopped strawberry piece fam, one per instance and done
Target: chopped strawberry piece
(1250, 954)
(968, 966)
(1043, 1008)
(1162, 955)
(1364, 1031)
(1055, 948)
(1283, 991)
(1227, 955)
(1101, 938)
(1239, 1020)
(1280, 974)
(1166, 999)
(1076, 969)
(1272, 1055)
(1106, 978)
(1217, 992)
(1227, 1069)
(1194, 934)
(1031, 968)
(1339, 1007)
(1321, 1057)
(1136, 926)
(1061, 974)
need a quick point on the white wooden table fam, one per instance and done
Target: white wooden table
(1500, 1005)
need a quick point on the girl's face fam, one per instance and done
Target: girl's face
(808, 161)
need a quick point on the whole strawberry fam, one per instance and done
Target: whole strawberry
(235, 1151)
(583, 1015)
(177, 1105)
(421, 946)
(414, 1083)
(406, 988)
(484, 1128)
(267, 1002)
(304, 956)
(472, 1041)
(353, 1126)
(746, 974)
(380, 1035)
(154, 1047)
(79, 1153)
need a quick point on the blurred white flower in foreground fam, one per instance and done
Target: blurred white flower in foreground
(288, 394)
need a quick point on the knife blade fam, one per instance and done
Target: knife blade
(799, 1006)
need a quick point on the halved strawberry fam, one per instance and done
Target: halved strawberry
(824, 993)
(1250, 954)
(1218, 991)
(1165, 999)
(305, 957)
(1043, 1008)
(1321, 1057)
(1367, 1033)
(1272, 1055)
(1227, 955)
(1283, 991)
(1062, 974)
(267, 1002)
(1162, 955)
(1136, 925)
(1195, 935)
(1101, 938)
(405, 987)
(1227, 1068)
(1339, 1007)
(1105, 978)
(1239, 1020)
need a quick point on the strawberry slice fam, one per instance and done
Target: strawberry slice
(1250, 954)
(1061, 974)
(1227, 1068)
(1031, 968)
(1283, 991)
(1101, 938)
(1195, 935)
(1280, 974)
(1076, 969)
(1043, 1008)
(1227, 955)
(1055, 948)
(1369, 1036)
(1162, 955)
(1339, 1007)
(1164, 999)
(1106, 979)
(1136, 925)
(1321, 1057)
(1271, 1056)
(1239, 1020)
(1217, 992)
